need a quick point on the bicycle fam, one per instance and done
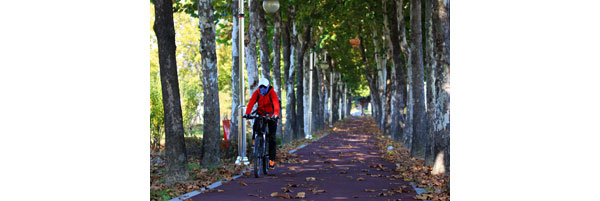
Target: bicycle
(259, 155)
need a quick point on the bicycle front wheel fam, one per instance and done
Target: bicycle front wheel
(265, 158)
(258, 160)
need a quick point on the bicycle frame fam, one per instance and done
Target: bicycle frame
(259, 135)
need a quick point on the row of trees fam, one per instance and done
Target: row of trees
(310, 38)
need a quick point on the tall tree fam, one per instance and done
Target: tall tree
(320, 123)
(406, 83)
(176, 158)
(300, 45)
(277, 62)
(250, 53)
(397, 103)
(441, 127)
(265, 64)
(315, 97)
(235, 69)
(420, 136)
(288, 54)
(429, 67)
(388, 70)
(211, 134)
(335, 93)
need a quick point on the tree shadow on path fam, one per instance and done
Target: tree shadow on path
(344, 165)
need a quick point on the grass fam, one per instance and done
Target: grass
(162, 194)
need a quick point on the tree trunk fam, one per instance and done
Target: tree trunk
(441, 126)
(388, 70)
(380, 75)
(420, 137)
(325, 96)
(388, 100)
(288, 55)
(329, 87)
(251, 62)
(321, 96)
(334, 97)
(315, 97)
(406, 83)
(348, 102)
(372, 81)
(396, 106)
(176, 158)
(265, 64)
(235, 77)
(429, 66)
(277, 64)
(306, 88)
(300, 49)
(300, 46)
(211, 133)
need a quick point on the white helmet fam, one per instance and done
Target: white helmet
(263, 81)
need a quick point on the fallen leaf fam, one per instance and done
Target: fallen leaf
(301, 195)
(424, 196)
(291, 185)
(220, 191)
(360, 179)
(255, 195)
(284, 196)
(243, 183)
(318, 191)
(310, 179)
(369, 190)
(274, 194)
(343, 172)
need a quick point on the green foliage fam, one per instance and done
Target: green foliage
(189, 66)
(224, 78)
(163, 194)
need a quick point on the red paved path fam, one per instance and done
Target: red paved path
(345, 149)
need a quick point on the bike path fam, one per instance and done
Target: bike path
(345, 165)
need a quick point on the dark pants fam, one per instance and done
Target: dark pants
(270, 137)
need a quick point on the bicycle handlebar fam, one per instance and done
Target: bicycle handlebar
(254, 116)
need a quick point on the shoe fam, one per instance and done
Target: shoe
(271, 164)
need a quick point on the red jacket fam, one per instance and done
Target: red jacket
(264, 102)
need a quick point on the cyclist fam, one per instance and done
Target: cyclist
(268, 105)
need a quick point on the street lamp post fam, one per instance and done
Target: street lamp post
(270, 6)
(312, 61)
(241, 159)
(340, 101)
(331, 100)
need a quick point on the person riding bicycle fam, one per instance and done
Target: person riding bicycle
(268, 105)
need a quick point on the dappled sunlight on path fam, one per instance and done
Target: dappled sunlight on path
(344, 165)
